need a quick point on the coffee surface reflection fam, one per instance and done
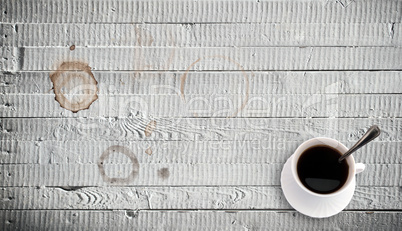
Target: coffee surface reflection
(319, 170)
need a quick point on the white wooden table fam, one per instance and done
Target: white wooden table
(192, 109)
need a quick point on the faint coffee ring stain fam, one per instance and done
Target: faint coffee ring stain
(143, 34)
(172, 53)
(59, 81)
(127, 152)
(149, 42)
(244, 103)
(150, 128)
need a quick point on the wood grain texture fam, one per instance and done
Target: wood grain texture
(179, 58)
(213, 105)
(214, 94)
(205, 11)
(218, 82)
(195, 220)
(197, 174)
(171, 152)
(195, 129)
(202, 35)
(198, 106)
(139, 198)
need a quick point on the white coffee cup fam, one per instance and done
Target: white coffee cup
(314, 204)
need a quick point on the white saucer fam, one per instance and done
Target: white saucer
(308, 204)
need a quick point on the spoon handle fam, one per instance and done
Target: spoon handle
(370, 135)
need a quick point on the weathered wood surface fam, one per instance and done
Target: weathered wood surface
(271, 151)
(178, 174)
(195, 220)
(214, 94)
(212, 105)
(205, 11)
(203, 35)
(196, 129)
(204, 59)
(204, 101)
(140, 198)
(207, 82)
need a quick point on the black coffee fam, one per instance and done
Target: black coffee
(319, 170)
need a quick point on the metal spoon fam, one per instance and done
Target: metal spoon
(370, 135)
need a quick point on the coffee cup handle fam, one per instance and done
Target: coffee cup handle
(359, 167)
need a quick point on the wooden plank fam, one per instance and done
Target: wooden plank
(195, 220)
(69, 11)
(195, 129)
(139, 198)
(201, 59)
(198, 83)
(177, 174)
(202, 35)
(212, 105)
(171, 152)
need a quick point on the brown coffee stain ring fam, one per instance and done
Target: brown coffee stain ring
(127, 152)
(69, 72)
(244, 103)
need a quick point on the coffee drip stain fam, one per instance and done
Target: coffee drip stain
(150, 128)
(148, 151)
(244, 103)
(125, 151)
(143, 37)
(74, 85)
(163, 173)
